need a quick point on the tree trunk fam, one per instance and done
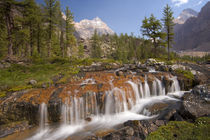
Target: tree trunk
(38, 40)
(31, 41)
(168, 41)
(168, 49)
(49, 48)
(62, 44)
(9, 25)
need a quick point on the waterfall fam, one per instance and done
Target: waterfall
(141, 90)
(135, 89)
(175, 85)
(154, 88)
(146, 88)
(76, 109)
(107, 109)
(43, 116)
(161, 89)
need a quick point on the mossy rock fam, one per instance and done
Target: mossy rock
(182, 130)
(187, 74)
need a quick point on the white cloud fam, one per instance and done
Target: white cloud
(179, 2)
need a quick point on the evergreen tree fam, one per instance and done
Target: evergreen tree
(96, 51)
(81, 51)
(168, 25)
(50, 11)
(70, 38)
(31, 19)
(151, 27)
(6, 7)
(61, 28)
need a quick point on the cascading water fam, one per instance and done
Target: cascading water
(116, 106)
(43, 116)
(175, 85)
(146, 88)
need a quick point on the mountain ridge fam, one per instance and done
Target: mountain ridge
(194, 34)
(85, 28)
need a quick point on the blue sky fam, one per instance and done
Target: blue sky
(125, 16)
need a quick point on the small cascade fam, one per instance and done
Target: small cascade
(146, 88)
(141, 89)
(175, 85)
(160, 88)
(136, 91)
(76, 109)
(43, 116)
(154, 88)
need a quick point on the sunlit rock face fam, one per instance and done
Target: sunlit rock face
(185, 15)
(85, 28)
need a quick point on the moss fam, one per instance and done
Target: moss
(200, 130)
(19, 88)
(187, 74)
(2, 94)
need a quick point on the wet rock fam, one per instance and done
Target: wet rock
(88, 119)
(32, 82)
(54, 106)
(195, 103)
(14, 127)
(156, 108)
(125, 133)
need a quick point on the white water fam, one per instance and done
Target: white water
(175, 85)
(119, 107)
(43, 116)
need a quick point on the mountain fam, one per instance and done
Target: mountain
(185, 15)
(194, 33)
(85, 28)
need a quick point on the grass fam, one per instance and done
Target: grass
(17, 77)
(200, 130)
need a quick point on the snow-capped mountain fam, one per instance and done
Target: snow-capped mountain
(185, 15)
(85, 28)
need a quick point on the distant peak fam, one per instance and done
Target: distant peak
(185, 15)
(97, 19)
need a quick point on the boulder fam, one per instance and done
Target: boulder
(196, 103)
(151, 62)
(32, 82)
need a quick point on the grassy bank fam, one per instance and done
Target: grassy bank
(200, 130)
(17, 76)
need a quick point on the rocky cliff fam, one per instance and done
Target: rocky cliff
(194, 34)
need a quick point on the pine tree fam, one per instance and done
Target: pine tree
(81, 51)
(61, 28)
(31, 19)
(50, 11)
(6, 7)
(168, 25)
(96, 51)
(70, 38)
(151, 27)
